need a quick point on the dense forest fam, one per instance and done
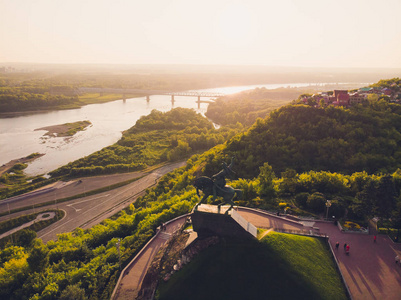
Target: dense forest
(332, 139)
(296, 158)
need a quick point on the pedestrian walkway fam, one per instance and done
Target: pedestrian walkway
(369, 270)
(133, 275)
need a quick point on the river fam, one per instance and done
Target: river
(18, 137)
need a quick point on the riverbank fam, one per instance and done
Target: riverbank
(83, 100)
(7, 166)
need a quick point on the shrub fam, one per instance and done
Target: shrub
(316, 202)
(301, 198)
(282, 205)
(351, 225)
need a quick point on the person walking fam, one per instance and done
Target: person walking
(337, 245)
(374, 239)
(345, 247)
(347, 250)
(397, 259)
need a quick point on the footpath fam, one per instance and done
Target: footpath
(369, 270)
(132, 276)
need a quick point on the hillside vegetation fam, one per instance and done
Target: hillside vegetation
(331, 139)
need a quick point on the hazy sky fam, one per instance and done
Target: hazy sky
(316, 33)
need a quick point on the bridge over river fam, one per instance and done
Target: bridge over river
(148, 93)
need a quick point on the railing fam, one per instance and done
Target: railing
(149, 92)
(348, 292)
(195, 94)
(297, 231)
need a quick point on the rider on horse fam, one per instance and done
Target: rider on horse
(216, 186)
(219, 179)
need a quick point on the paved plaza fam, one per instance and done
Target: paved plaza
(369, 270)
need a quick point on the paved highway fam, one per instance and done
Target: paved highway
(88, 211)
(62, 189)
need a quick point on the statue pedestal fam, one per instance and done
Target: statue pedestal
(207, 220)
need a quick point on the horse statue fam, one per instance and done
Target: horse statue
(216, 186)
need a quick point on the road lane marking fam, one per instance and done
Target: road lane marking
(78, 209)
(137, 184)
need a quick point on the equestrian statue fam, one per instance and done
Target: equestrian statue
(216, 186)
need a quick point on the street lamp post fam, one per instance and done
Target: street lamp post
(119, 255)
(328, 204)
(55, 204)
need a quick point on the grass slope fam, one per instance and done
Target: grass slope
(280, 266)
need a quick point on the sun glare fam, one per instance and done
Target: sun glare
(235, 25)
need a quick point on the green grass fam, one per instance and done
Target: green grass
(73, 128)
(280, 266)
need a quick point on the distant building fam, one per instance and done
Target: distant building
(321, 96)
(366, 90)
(387, 91)
(356, 98)
(341, 98)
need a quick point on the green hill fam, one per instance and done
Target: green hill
(280, 266)
(332, 139)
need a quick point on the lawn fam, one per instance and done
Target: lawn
(280, 266)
